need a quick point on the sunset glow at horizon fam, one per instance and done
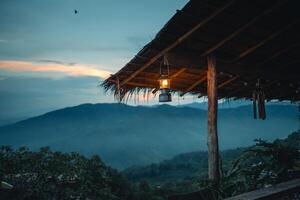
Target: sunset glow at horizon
(71, 70)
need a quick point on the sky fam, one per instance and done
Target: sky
(51, 57)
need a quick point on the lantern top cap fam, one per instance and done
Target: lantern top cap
(164, 76)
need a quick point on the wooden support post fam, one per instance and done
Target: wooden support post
(212, 140)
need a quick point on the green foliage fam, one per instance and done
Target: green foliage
(55, 175)
(183, 167)
(268, 163)
(261, 165)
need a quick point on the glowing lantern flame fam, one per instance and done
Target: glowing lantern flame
(164, 83)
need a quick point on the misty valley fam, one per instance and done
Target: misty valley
(116, 151)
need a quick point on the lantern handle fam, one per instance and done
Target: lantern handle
(165, 62)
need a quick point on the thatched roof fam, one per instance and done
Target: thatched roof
(251, 39)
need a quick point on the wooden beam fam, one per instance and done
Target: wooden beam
(278, 53)
(212, 139)
(281, 91)
(264, 41)
(155, 75)
(140, 84)
(150, 82)
(178, 41)
(242, 28)
(149, 85)
(251, 84)
(136, 84)
(178, 73)
(249, 87)
(193, 85)
(223, 84)
(233, 92)
(227, 82)
(282, 68)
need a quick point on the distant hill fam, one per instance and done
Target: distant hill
(6, 121)
(180, 167)
(191, 165)
(135, 135)
(223, 105)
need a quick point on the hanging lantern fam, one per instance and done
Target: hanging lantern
(164, 86)
(164, 82)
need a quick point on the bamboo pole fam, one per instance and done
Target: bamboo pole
(212, 140)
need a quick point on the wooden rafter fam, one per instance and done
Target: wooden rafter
(154, 76)
(242, 28)
(277, 92)
(223, 84)
(278, 53)
(153, 84)
(231, 94)
(140, 84)
(178, 73)
(282, 68)
(178, 41)
(136, 84)
(193, 85)
(264, 41)
(227, 82)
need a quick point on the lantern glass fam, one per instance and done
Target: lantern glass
(164, 83)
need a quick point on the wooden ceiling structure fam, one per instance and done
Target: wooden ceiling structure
(251, 39)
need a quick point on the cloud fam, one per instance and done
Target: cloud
(138, 41)
(107, 48)
(66, 68)
(4, 41)
(57, 62)
(2, 78)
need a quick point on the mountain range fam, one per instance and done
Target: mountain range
(193, 165)
(137, 135)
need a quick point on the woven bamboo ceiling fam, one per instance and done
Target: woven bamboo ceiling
(251, 40)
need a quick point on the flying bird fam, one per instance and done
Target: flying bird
(75, 11)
